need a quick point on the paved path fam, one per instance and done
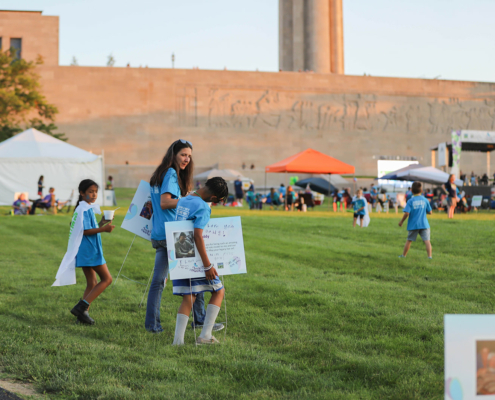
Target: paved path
(5, 395)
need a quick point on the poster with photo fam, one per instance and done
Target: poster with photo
(224, 245)
(469, 357)
(138, 217)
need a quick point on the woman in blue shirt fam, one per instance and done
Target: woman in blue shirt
(170, 181)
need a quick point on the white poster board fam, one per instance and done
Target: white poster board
(387, 166)
(476, 201)
(138, 217)
(224, 246)
(469, 357)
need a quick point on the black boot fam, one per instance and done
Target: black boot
(80, 310)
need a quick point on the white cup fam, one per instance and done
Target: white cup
(108, 214)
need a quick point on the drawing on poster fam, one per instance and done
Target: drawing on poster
(485, 367)
(184, 244)
(138, 217)
(224, 246)
(147, 210)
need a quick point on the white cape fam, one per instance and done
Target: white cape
(366, 219)
(66, 274)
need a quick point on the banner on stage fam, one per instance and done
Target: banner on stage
(138, 217)
(224, 246)
(469, 357)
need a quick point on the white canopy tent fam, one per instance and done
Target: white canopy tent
(230, 175)
(427, 175)
(26, 156)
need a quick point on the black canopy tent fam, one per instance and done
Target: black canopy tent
(479, 141)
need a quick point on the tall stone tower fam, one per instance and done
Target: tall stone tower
(311, 36)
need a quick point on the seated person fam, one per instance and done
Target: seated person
(183, 247)
(46, 203)
(251, 198)
(21, 205)
(275, 197)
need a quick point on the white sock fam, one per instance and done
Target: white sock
(180, 329)
(211, 315)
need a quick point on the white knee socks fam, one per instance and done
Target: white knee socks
(180, 329)
(211, 316)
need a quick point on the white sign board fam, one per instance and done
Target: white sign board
(224, 246)
(476, 201)
(138, 217)
(477, 136)
(469, 357)
(442, 154)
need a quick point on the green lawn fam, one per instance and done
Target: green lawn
(325, 312)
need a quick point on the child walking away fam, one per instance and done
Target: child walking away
(85, 251)
(416, 209)
(194, 208)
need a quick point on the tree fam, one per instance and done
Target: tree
(110, 60)
(21, 98)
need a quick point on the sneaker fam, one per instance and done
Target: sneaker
(401, 256)
(429, 258)
(213, 340)
(216, 327)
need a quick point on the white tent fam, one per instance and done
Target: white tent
(26, 156)
(227, 174)
(427, 175)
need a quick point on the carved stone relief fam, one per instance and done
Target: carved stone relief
(239, 109)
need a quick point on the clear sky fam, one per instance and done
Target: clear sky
(453, 39)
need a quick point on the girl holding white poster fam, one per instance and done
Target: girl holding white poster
(171, 180)
(196, 209)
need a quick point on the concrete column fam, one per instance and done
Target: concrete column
(285, 35)
(336, 37)
(298, 62)
(318, 36)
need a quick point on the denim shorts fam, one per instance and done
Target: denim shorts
(423, 233)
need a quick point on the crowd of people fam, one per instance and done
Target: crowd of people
(283, 197)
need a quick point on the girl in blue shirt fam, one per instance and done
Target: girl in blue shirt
(90, 255)
(170, 181)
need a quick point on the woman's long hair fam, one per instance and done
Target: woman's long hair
(185, 176)
(83, 186)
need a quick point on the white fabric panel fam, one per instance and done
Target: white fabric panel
(21, 175)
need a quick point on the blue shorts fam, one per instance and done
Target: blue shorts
(197, 285)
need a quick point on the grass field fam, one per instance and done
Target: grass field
(325, 312)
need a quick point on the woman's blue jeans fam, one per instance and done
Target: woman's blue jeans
(160, 272)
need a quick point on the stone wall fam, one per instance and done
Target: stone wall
(259, 118)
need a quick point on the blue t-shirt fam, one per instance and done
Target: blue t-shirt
(417, 207)
(281, 189)
(359, 203)
(170, 184)
(90, 252)
(193, 208)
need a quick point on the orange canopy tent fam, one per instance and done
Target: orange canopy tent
(310, 161)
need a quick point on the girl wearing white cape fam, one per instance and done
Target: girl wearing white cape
(366, 217)
(85, 251)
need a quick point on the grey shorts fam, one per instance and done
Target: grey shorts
(423, 234)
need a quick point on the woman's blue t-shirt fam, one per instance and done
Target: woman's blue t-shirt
(90, 252)
(170, 184)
